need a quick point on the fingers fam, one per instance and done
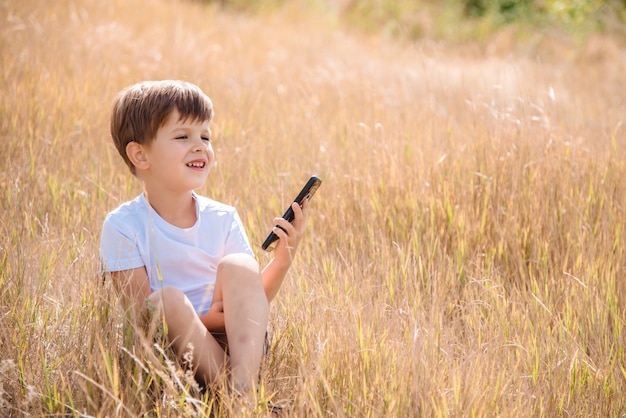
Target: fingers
(290, 233)
(305, 207)
(298, 217)
(217, 306)
(292, 229)
(282, 228)
(300, 214)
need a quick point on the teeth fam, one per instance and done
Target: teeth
(200, 165)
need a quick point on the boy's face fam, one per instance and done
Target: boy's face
(181, 155)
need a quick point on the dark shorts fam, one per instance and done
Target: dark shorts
(160, 337)
(223, 342)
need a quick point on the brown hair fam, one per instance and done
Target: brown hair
(141, 109)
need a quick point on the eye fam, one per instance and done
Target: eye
(206, 139)
(181, 137)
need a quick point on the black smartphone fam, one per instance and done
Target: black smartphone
(307, 192)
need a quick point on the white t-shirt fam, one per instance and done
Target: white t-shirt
(134, 235)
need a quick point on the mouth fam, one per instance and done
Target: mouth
(196, 164)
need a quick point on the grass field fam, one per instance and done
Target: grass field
(466, 254)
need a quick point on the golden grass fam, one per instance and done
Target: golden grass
(465, 254)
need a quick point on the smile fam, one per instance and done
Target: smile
(196, 164)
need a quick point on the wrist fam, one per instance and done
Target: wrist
(283, 260)
(212, 322)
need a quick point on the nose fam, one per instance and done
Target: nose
(200, 145)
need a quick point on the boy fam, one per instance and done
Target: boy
(184, 255)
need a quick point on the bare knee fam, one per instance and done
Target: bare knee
(239, 261)
(239, 267)
(239, 276)
(172, 305)
(166, 298)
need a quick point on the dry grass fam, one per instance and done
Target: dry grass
(466, 253)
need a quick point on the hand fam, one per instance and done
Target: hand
(213, 319)
(290, 234)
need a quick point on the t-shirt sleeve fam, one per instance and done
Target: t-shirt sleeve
(237, 240)
(118, 246)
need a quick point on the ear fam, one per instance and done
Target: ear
(137, 155)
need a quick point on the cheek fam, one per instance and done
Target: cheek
(211, 155)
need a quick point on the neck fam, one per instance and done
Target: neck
(176, 209)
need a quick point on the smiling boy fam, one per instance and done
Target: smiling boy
(186, 255)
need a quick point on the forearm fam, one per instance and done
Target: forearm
(213, 321)
(289, 235)
(273, 275)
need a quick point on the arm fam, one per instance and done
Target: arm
(274, 273)
(213, 319)
(133, 286)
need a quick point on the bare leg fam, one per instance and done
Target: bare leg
(246, 313)
(184, 328)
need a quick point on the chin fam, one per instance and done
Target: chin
(198, 185)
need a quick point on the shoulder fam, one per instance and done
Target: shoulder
(209, 206)
(127, 212)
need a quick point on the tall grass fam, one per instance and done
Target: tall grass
(465, 255)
